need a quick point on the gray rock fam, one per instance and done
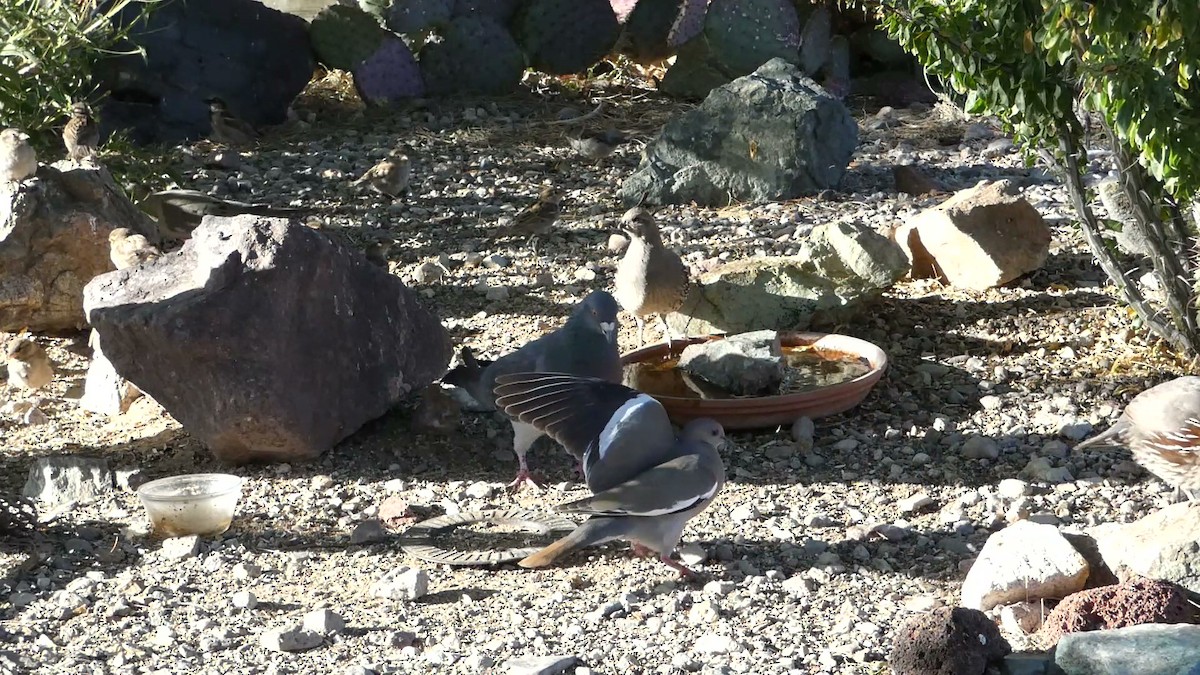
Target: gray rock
(324, 622)
(265, 339)
(747, 364)
(772, 135)
(1021, 562)
(1149, 649)
(370, 530)
(66, 478)
(177, 548)
(980, 447)
(402, 583)
(1161, 545)
(289, 639)
(244, 600)
(538, 665)
(105, 392)
(54, 239)
(840, 268)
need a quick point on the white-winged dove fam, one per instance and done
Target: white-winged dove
(648, 482)
(1161, 427)
(585, 345)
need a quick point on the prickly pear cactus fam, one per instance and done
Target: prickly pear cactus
(744, 34)
(689, 22)
(476, 55)
(647, 30)
(342, 36)
(561, 37)
(389, 75)
(499, 10)
(414, 16)
(814, 39)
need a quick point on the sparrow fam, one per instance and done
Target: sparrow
(226, 128)
(534, 220)
(82, 134)
(651, 278)
(389, 177)
(598, 144)
(128, 249)
(29, 366)
(18, 160)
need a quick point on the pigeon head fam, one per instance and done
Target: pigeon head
(705, 430)
(597, 312)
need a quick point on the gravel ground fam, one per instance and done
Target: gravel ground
(796, 578)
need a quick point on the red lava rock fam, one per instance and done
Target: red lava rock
(394, 513)
(1134, 602)
(947, 641)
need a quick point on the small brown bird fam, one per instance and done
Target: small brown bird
(389, 177)
(598, 144)
(650, 278)
(82, 134)
(226, 128)
(1161, 427)
(128, 249)
(534, 220)
(18, 159)
(29, 366)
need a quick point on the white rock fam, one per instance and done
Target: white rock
(719, 588)
(617, 243)
(1012, 488)
(712, 643)
(177, 548)
(744, 512)
(1024, 561)
(402, 583)
(427, 273)
(915, 503)
(692, 554)
(321, 482)
(538, 665)
(289, 639)
(246, 570)
(244, 600)
(324, 621)
(479, 490)
(799, 586)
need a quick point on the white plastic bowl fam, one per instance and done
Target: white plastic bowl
(195, 503)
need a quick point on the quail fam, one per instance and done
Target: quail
(18, 160)
(81, 136)
(128, 249)
(389, 177)
(226, 128)
(585, 345)
(647, 483)
(598, 144)
(534, 220)
(1161, 427)
(29, 366)
(650, 278)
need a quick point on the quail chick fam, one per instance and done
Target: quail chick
(534, 220)
(127, 249)
(389, 177)
(650, 278)
(28, 364)
(226, 128)
(82, 134)
(18, 160)
(598, 144)
(1161, 427)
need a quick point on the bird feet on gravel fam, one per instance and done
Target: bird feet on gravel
(524, 477)
(644, 552)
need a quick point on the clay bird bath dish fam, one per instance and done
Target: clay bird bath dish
(837, 372)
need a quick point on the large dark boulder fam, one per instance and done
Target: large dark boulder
(265, 339)
(255, 58)
(772, 135)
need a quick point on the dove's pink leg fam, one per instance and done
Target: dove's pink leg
(683, 569)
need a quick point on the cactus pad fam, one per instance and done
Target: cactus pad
(565, 36)
(343, 36)
(744, 34)
(689, 22)
(390, 74)
(476, 55)
(414, 16)
(647, 29)
(501, 11)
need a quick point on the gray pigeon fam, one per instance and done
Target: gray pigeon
(650, 278)
(1161, 427)
(585, 345)
(648, 483)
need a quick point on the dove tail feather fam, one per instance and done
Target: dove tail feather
(592, 532)
(1110, 436)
